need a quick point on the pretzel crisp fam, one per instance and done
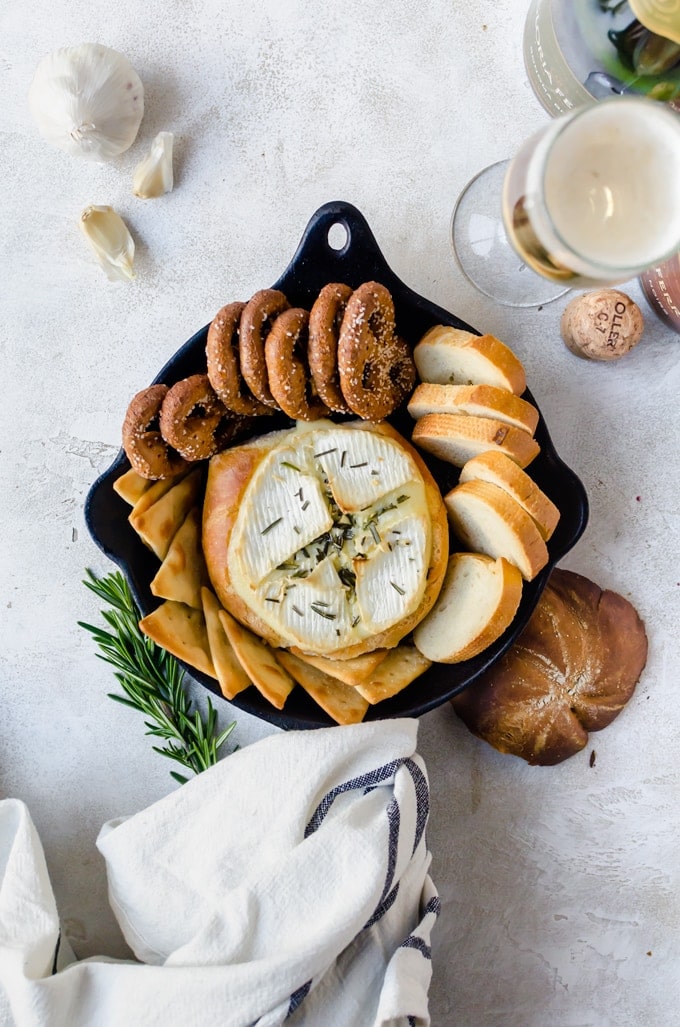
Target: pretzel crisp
(146, 449)
(195, 421)
(325, 319)
(376, 366)
(224, 365)
(257, 319)
(287, 368)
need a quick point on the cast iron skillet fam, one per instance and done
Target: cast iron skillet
(316, 262)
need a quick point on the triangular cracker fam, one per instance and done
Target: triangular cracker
(183, 572)
(131, 486)
(341, 702)
(180, 630)
(258, 661)
(400, 667)
(156, 490)
(230, 674)
(158, 524)
(351, 672)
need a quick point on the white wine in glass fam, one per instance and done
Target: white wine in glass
(591, 200)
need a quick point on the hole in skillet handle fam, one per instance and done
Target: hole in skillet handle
(338, 237)
(320, 259)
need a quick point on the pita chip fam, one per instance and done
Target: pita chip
(181, 630)
(341, 702)
(183, 573)
(230, 673)
(258, 661)
(158, 524)
(400, 667)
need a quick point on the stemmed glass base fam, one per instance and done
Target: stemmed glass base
(483, 251)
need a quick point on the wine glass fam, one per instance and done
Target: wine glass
(591, 200)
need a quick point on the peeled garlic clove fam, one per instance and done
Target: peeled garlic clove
(110, 240)
(87, 100)
(153, 177)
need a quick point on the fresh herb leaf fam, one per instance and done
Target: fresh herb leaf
(153, 681)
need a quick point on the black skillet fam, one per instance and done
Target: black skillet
(356, 258)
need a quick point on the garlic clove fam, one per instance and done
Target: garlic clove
(87, 100)
(153, 176)
(110, 239)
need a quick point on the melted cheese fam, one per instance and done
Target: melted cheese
(332, 541)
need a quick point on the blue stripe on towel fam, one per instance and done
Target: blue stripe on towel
(368, 781)
(422, 799)
(383, 908)
(394, 820)
(298, 997)
(56, 954)
(387, 897)
(433, 906)
(414, 942)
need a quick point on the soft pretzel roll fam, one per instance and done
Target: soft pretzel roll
(312, 550)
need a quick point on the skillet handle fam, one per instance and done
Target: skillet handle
(336, 245)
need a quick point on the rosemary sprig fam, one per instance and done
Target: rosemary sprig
(153, 681)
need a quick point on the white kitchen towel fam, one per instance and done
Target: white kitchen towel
(287, 884)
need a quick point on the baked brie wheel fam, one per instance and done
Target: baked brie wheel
(327, 539)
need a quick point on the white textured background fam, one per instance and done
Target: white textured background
(560, 886)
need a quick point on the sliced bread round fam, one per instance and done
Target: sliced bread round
(486, 519)
(478, 400)
(451, 356)
(477, 602)
(457, 438)
(500, 470)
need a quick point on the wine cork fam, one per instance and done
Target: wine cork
(602, 325)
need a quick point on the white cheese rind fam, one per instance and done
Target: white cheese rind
(394, 579)
(362, 467)
(328, 553)
(283, 510)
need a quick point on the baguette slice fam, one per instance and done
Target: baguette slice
(499, 470)
(487, 520)
(478, 400)
(457, 438)
(450, 356)
(477, 602)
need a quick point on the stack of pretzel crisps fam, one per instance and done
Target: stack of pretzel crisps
(263, 357)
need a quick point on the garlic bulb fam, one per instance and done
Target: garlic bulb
(110, 240)
(87, 100)
(153, 176)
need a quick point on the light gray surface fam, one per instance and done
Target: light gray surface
(559, 886)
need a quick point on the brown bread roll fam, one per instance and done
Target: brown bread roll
(571, 671)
